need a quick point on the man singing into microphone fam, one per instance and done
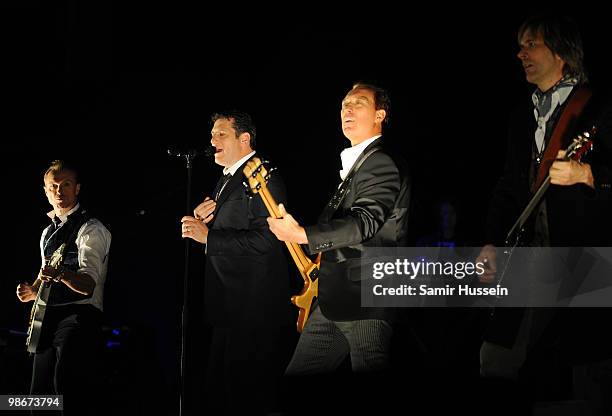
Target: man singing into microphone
(246, 280)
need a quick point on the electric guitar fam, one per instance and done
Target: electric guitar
(582, 144)
(258, 177)
(37, 314)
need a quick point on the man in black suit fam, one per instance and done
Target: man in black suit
(369, 209)
(246, 282)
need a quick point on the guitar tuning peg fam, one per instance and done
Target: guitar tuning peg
(247, 189)
(269, 175)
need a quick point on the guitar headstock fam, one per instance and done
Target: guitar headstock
(582, 144)
(57, 257)
(257, 174)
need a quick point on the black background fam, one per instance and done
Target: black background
(113, 84)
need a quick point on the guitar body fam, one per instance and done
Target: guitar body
(310, 291)
(37, 315)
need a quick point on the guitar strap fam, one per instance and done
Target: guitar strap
(342, 190)
(570, 114)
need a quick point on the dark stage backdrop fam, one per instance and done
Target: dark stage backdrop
(113, 84)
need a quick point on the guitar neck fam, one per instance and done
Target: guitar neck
(573, 152)
(533, 203)
(297, 253)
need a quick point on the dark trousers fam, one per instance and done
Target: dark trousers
(68, 357)
(245, 367)
(325, 344)
(319, 372)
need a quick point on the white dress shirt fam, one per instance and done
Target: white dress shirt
(350, 155)
(232, 169)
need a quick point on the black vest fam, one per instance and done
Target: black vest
(55, 237)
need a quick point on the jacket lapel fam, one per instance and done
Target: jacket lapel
(232, 184)
(344, 188)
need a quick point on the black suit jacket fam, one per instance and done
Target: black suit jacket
(578, 216)
(370, 209)
(246, 281)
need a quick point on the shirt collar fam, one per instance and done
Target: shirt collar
(546, 102)
(63, 218)
(232, 169)
(350, 155)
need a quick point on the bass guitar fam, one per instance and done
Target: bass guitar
(258, 177)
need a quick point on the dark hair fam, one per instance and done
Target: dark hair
(60, 166)
(381, 97)
(241, 121)
(562, 36)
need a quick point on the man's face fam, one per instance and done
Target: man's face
(228, 145)
(542, 67)
(61, 189)
(360, 119)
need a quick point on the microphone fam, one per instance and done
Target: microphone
(208, 151)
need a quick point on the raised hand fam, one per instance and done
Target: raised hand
(205, 210)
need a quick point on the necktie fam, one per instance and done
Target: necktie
(224, 182)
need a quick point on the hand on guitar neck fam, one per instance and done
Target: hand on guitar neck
(49, 272)
(570, 172)
(78, 282)
(286, 228)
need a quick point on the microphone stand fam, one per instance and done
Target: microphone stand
(189, 155)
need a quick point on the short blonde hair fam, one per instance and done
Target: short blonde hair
(59, 165)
